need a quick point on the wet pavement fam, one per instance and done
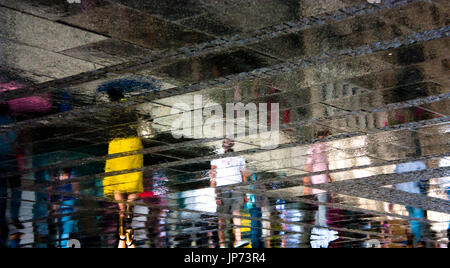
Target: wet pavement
(111, 134)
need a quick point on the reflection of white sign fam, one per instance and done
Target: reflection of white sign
(74, 1)
(374, 1)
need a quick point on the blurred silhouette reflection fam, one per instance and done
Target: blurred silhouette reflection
(445, 186)
(64, 206)
(412, 188)
(317, 161)
(8, 163)
(228, 171)
(157, 215)
(257, 206)
(418, 228)
(125, 187)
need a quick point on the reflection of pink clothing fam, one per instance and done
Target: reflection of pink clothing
(30, 104)
(12, 85)
(318, 160)
(33, 104)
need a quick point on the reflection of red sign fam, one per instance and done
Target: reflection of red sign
(33, 104)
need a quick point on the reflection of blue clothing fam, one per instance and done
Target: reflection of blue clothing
(40, 209)
(8, 163)
(416, 225)
(6, 144)
(7, 141)
(251, 203)
(5, 120)
(256, 226)
(64, 188)
(67, 224)
(255, 212)
(14, 243)
(129, 85)
(412, 188)
(65, 103)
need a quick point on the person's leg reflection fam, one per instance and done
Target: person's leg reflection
(237, 226)
(120, 198)
(308, 217)
(415, 225)
(129, 215)
(321, 214)
(67, 226)
(3, 224)
(256, 227)
(448, 193)
(236, 204)
(448, 230)
(222, 226)
(16, 197)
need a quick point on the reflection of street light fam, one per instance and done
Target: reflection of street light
(74, 1)
(374, 1)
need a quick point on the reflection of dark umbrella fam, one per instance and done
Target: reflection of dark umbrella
(117, 88)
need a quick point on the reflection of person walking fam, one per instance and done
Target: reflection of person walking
(445, 185)
(124, 188)
(8, 163)
(317, 161)
(412, 188)
(445, 181)
(65, 206)
(228, 171)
